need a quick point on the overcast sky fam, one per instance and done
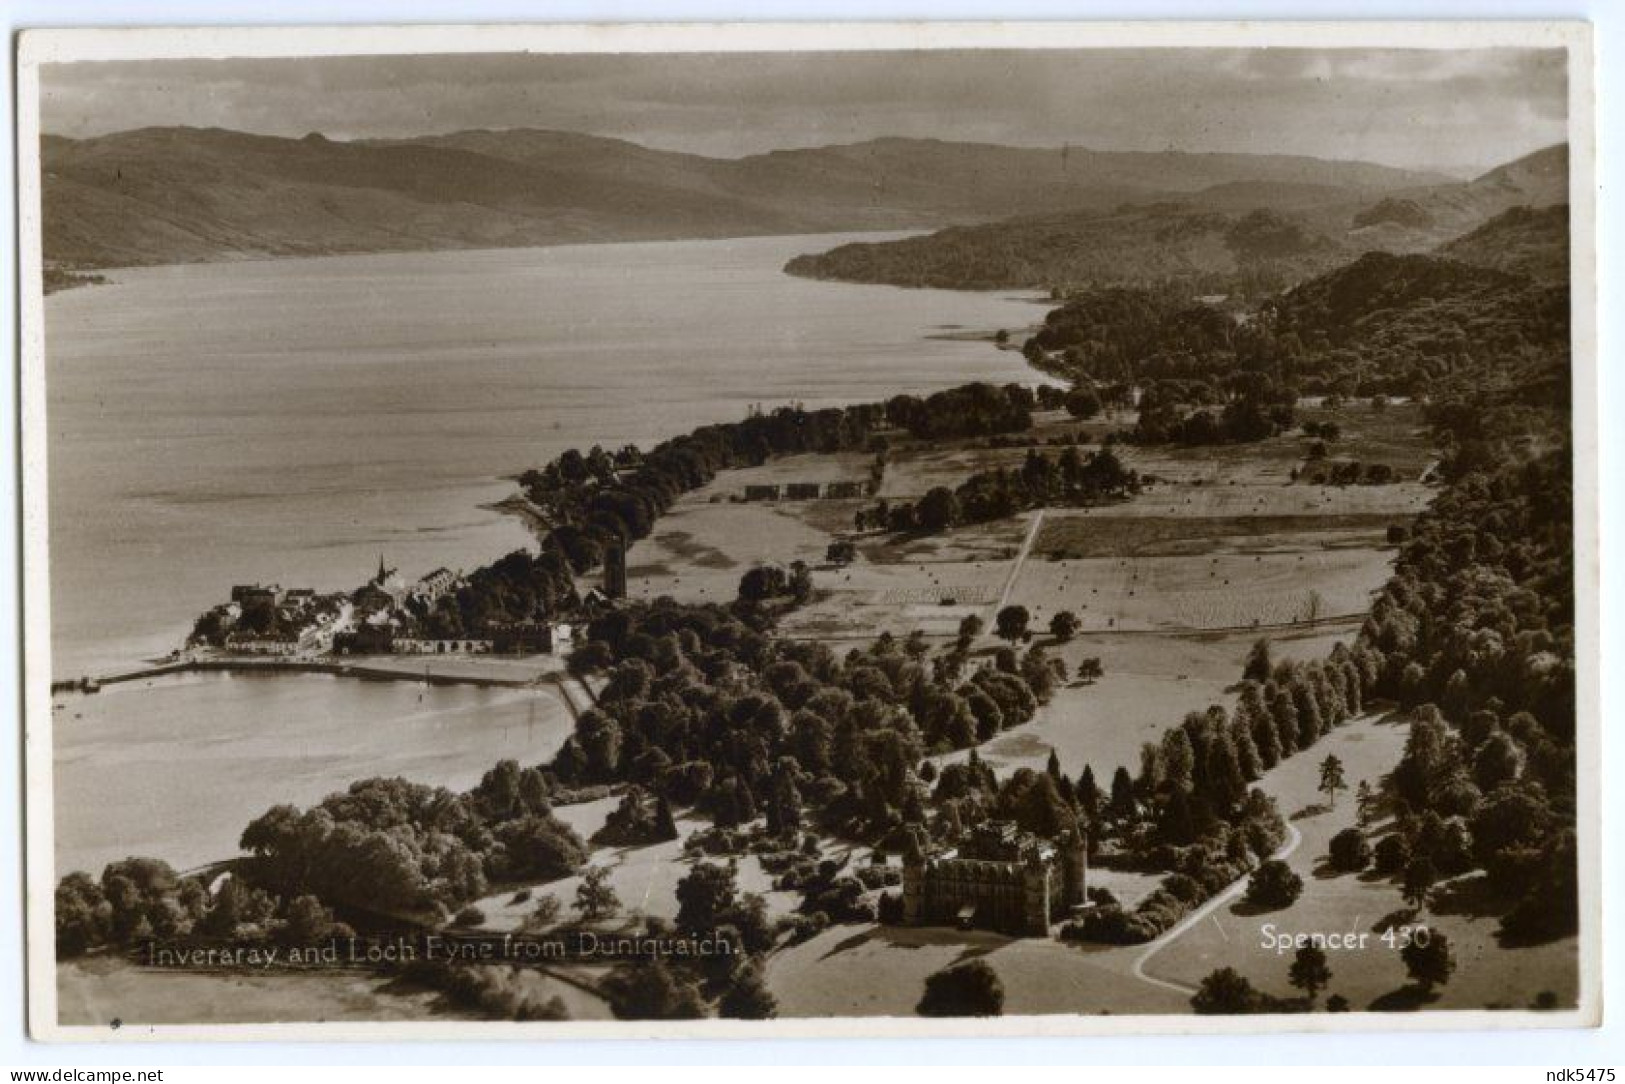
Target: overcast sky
(1461, 111)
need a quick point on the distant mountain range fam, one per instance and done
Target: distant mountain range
(176, 195)
(1235, 236)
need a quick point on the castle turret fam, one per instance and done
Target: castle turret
(913, 881)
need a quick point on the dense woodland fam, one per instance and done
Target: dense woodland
(1379, 325)
(1171, 245)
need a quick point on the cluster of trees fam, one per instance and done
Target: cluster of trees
(137, 900)
(1071, 479)
(1476, 632)
(1348, 472)
(1192, 811)
(639, 819)
(391, 846)
(704, 706)
(764, 583)
(972, 410)
(729, 980)
(1248, 406)
(1379, 325)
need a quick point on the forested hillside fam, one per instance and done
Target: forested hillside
(1249, 238)
(1177, 244)
(173, 195)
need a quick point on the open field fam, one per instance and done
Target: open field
(1372, 977)
(700, 549)
(99, 991)
(1220, 592)
(645, 878)
(881, 971)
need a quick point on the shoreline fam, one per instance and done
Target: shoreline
(897, 233)
(374, 669)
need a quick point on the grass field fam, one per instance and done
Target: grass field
(645, 878)
(1373, 976)
(97, 992)
(881, 971)
(1179, 594)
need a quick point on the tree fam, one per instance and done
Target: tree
(1365, 803)
(1259, 663)
(1310, 972)
(938, 509)
(1089, 670)
(968, 989)
(307, 922)
(842, 552)
(595, 897)
(1082, 402)
(651, 991)
(1331, 778)
(1349, 851)
(1122, 802)
(84, 918)
(1011, 622)
(1428, 960)
(1226, 992)
(704, 896)
(1420, 877)
(1064, 625)
(1273, 885)
(747, 996)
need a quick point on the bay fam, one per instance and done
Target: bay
(291, 420)
(288, 420)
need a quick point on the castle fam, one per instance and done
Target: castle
(999, 878)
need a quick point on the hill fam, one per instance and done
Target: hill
(1183, 241)
(1418, 219)
(1198, 250)
(1381, 323)
(168, 195)
(1524, 240)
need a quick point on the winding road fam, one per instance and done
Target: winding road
(1294, 838)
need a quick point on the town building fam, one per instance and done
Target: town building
(253, 643)
(250, 595)
(383, 592)
(406, 645)
(999, 878)
(524, 638)
(435, 584)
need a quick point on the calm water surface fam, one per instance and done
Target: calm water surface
(288, 420)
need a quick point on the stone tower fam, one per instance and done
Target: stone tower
(1035, 889)
(914, 861)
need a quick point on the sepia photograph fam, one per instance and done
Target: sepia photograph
(809, 530)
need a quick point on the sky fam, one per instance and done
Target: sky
(1457, 111)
